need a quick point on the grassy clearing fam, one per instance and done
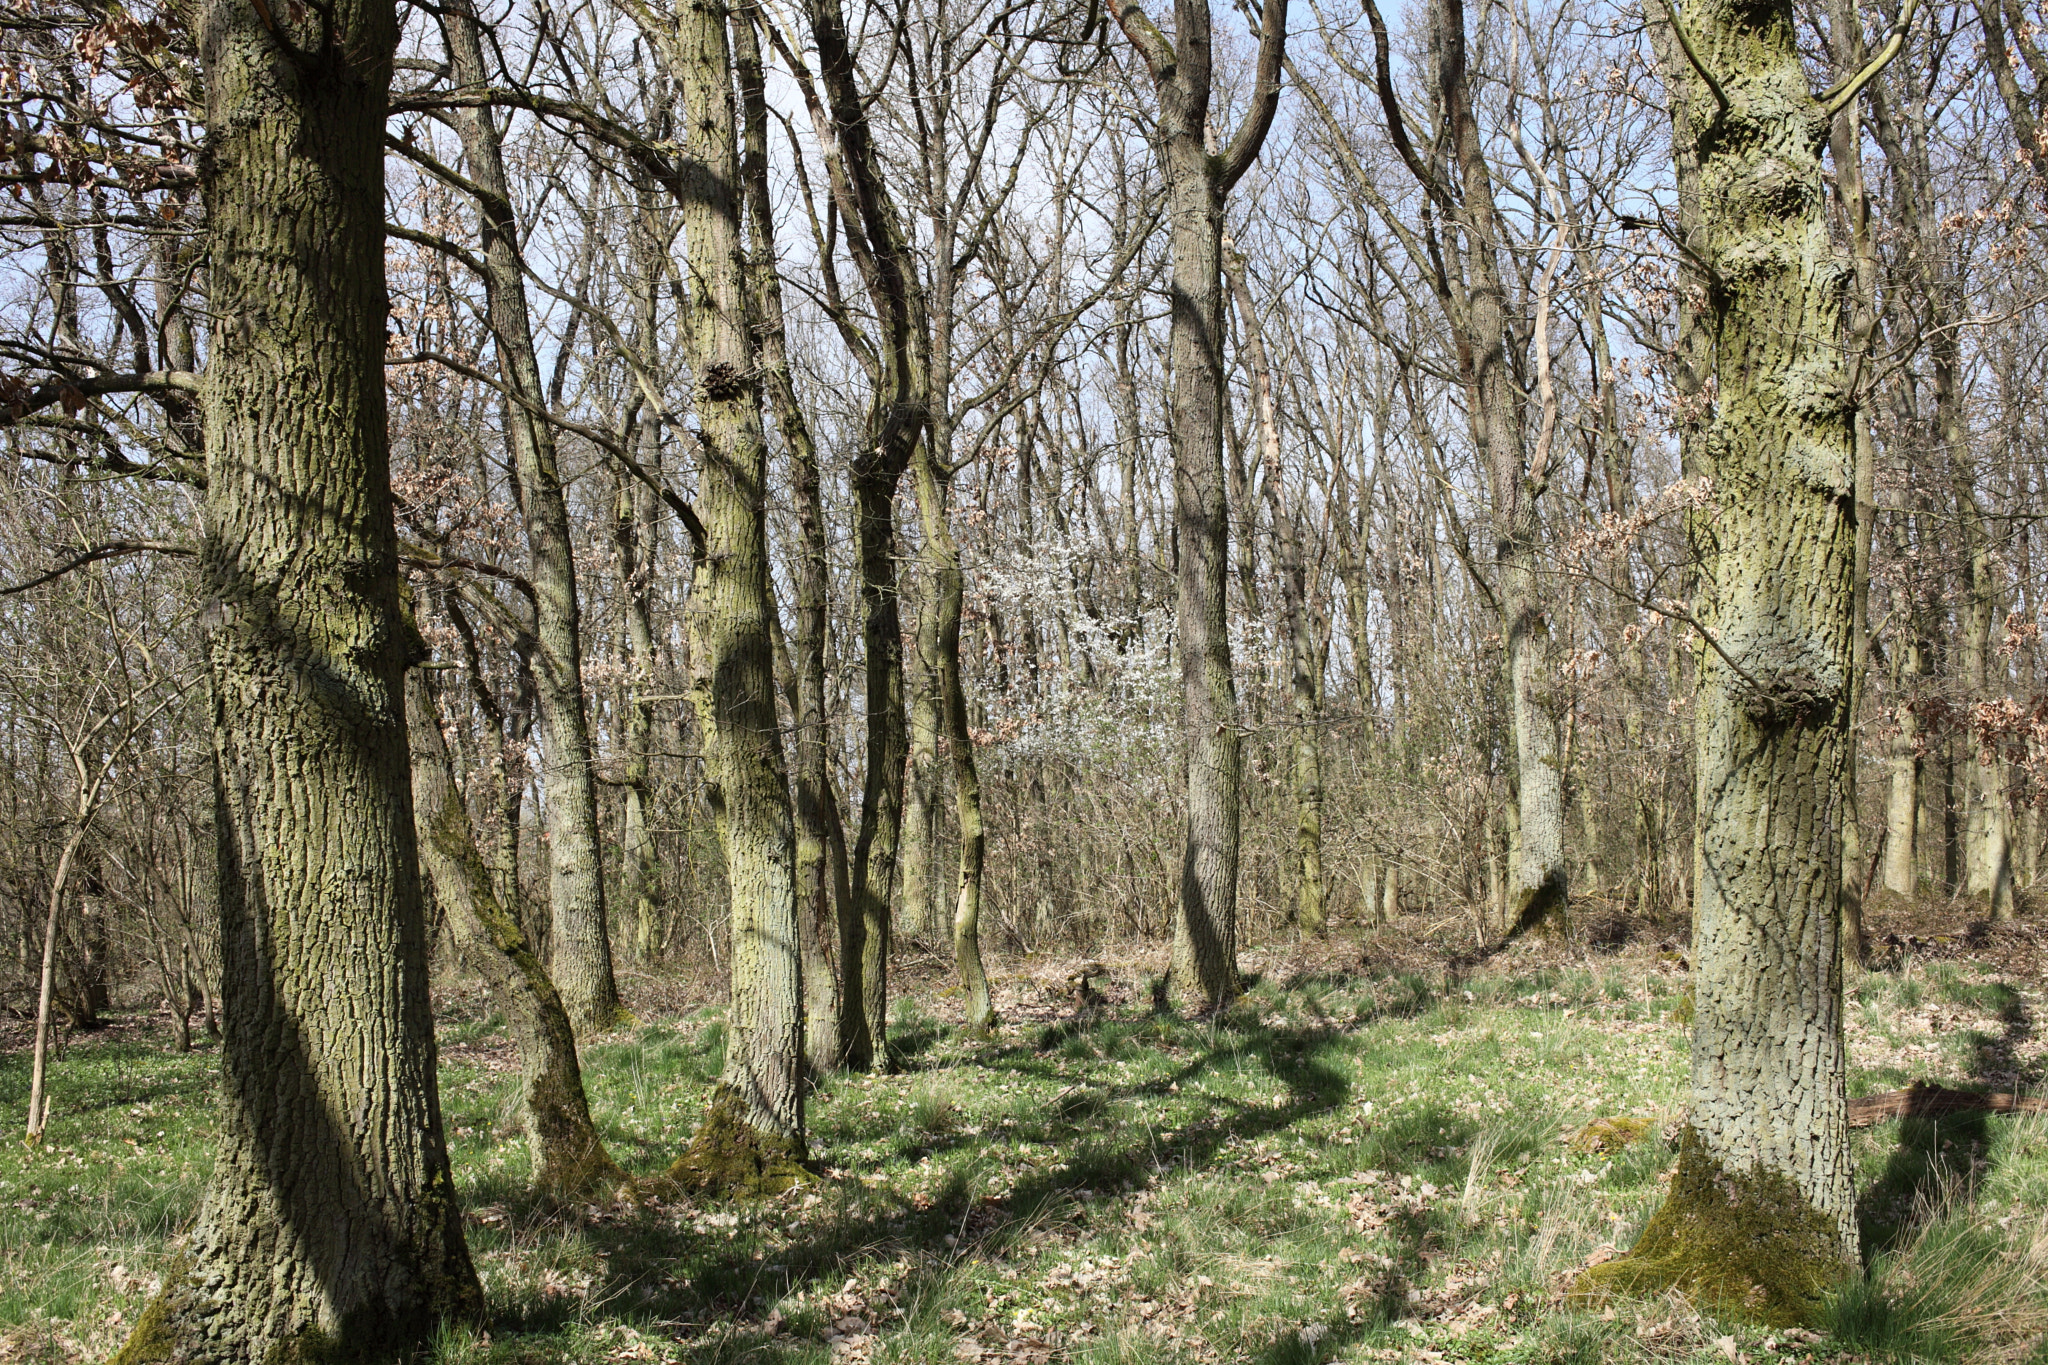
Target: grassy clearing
(1340, 1169)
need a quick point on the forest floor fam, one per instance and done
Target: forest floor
(1366, 1159)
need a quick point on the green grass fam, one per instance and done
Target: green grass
(1341, 1169)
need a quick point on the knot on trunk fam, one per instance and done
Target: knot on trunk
(724, 382)
(1780, 701)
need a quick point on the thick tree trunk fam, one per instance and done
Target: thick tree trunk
(1205, 929)
(570, 1163)
(1761, 1214)
(1204, 962)
(822, 897)
(582, 955)
(754, 1135)
(330, 1227)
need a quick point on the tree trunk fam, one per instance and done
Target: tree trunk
(38, 1099)
(864, 962)
(1304, 650)
(582, 955)
(639, 880)
(820, 910)
(1539, 877)
(1902, 802)
(754, 1134)
(898, 407)
(330, 1226)
(570, 1163)
(1761, 1218)
(921, 783)
(1198, 182)
(943, 562)
(1846, 146)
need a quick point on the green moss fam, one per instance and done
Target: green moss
(1612, 1134)
(1747, 1245)
(153, 1340)
(729, 1156)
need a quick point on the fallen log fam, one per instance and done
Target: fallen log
(1923, 1101)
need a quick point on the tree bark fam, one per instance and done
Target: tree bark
(898, 363)
(581, 937)
(330, 1226)
(921, 781)
(570, 1163)
(1204, 961)
(1540, 878)
(1846, 146)
(942, 555)
(819, 909)
(1761, 1215)
(755, 1133)
(1903, 762)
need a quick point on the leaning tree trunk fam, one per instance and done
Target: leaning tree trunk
(569, 1159)
(581, 938)
(753, 1135)
(1761, 1217)
(897, 410)
(330, 1228)
(819, 910)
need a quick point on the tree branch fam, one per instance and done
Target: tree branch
(98, 552)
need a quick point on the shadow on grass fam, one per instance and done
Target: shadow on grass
(651, 1271)
(1939, 1162)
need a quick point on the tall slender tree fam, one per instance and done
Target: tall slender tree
(1199, 181)
(580, 934)
(755, 1131)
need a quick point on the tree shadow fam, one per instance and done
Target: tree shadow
(1938, 1162)
(656, 1270)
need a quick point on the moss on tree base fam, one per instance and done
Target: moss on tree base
(1746, 1245)
(729, 1156)
(1540, 909)
(175, 1328)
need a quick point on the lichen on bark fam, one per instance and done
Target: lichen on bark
(1743, 1243)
